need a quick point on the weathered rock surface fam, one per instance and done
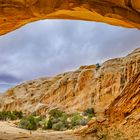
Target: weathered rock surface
(127, 104)
(122, 118)
(16, 13)
(88, 86)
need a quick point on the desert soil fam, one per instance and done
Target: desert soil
(9, 132)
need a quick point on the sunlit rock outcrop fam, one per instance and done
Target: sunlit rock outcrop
(16, 13)
(127, 104)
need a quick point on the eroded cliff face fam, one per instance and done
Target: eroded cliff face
(16, 13)
(127, 104)
(122, 117)
(112, 89)
(89, 86)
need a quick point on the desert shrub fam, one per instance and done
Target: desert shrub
(8, 115)
(38, 119)
(18, 114)
(47, 124)
(89, 112)
(64, 118)
(29, 123)
(60, 126)
(3, 115)
(11, 116)
(75, 120)
(57, 120)
(56, 113)
(98, 66)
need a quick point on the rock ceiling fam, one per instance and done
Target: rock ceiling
(16, 13)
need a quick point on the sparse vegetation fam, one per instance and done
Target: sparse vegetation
(76, 118)
(56, 113)
(46, 124)
(89, 112)
(56, 119)
(98, 66)
(8, 115)
(29, 123)
(60, 126)
(59, 120)
(18, 114)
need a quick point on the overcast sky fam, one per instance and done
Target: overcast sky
(49, 47)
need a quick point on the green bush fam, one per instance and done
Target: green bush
(29, 123)
(75, 120)
(57, 120)
(64, 118)
(18, 114)
(89, 112)
(98, 66)
(47, 124)
(3, 116)
(8, 115)
(60, 126)
(56, 113)
(11, 116)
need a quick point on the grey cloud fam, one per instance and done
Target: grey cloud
(6, 78)
(51, 47)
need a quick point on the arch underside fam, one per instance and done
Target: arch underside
(16, 13)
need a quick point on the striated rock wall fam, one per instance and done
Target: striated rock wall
(122, 117)
(88, 86)
(127, 104)
(16, 13)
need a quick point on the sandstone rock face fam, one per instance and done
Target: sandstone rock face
(89, 86)
(127, 104)
(16, 13)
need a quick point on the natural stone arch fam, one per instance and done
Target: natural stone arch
(16, 13)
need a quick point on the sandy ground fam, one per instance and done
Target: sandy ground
(9, 132)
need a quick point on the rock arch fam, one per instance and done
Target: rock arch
(16, 13)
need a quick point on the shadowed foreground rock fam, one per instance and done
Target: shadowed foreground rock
(16, 13)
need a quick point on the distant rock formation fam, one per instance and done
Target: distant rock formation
(16, 13)
(88, 86)
(112, 89)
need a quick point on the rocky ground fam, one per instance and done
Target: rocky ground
(8, 131)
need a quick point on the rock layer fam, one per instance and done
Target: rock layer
(127, 104)
(16, 13)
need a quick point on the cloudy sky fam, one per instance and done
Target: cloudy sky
(49, 47)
